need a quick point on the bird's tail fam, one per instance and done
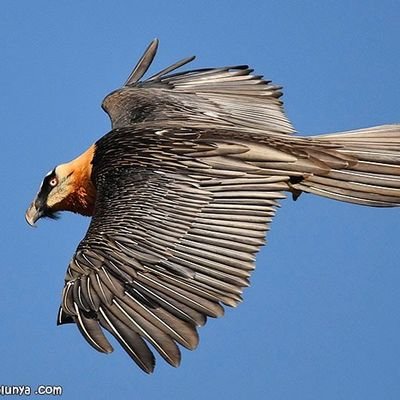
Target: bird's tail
(364, 167)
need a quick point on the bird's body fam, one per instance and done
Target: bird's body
(181, 193)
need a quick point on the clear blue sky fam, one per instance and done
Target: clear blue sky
(321, 319)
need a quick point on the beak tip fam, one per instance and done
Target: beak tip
(30, 222)
(31, 216)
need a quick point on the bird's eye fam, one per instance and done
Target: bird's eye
(53, 182)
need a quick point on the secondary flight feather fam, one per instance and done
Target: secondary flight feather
(181, 193)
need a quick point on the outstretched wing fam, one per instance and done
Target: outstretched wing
(218, 96)
(176, 227)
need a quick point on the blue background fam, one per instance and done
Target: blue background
(321, 319)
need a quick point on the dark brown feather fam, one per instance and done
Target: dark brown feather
(187, 183)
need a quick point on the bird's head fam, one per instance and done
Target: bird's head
(68, 187)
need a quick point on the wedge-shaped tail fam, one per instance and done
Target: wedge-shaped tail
(372, 176)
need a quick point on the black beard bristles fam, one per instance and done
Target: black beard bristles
(52, 215)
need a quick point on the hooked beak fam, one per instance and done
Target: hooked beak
(33, 214)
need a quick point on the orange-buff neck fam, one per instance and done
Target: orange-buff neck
(82, 196)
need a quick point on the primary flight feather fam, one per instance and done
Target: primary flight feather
(181, 192)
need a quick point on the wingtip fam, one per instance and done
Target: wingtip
(155, 42)
(152, 47)
(143, 63)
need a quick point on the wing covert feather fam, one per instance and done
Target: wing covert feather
(220, 96)
(166, 247)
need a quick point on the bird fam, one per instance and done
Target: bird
(181, 193)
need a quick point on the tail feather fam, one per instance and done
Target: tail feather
(372, 178)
